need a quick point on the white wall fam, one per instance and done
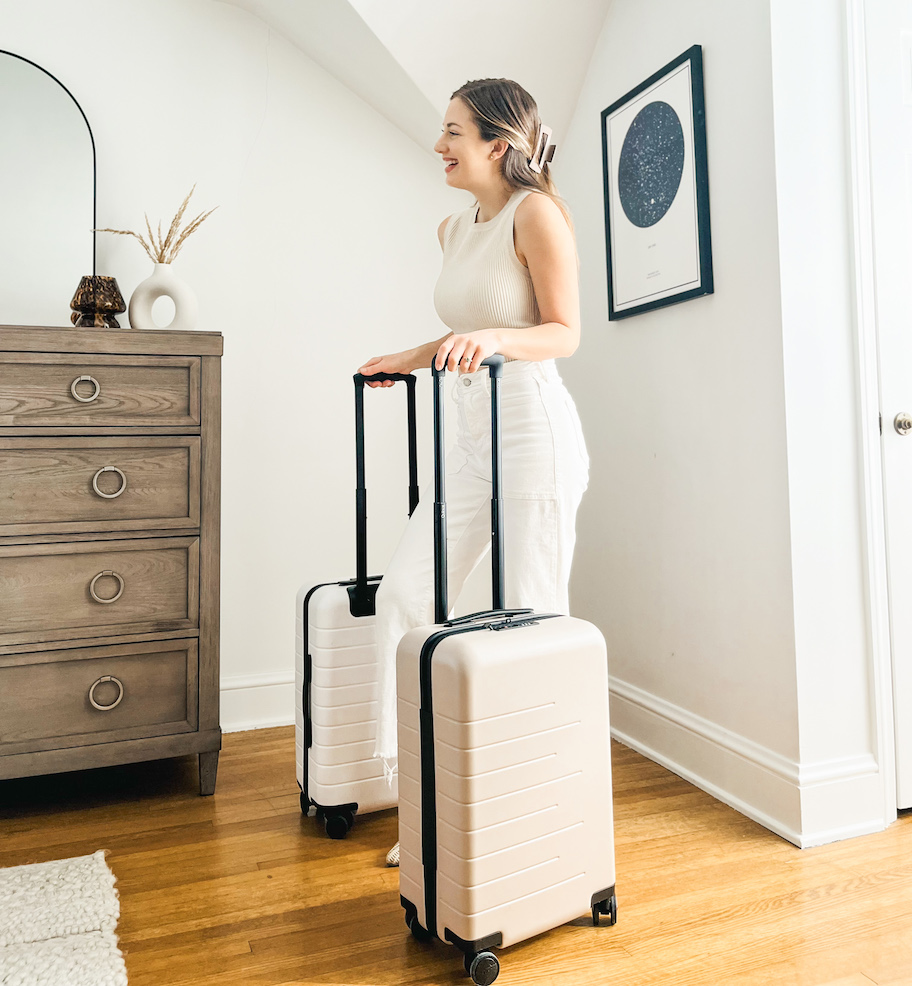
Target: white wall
(720, 539)
(684, 547)
(322, 253)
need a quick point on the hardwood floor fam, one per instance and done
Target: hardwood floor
(241, 889)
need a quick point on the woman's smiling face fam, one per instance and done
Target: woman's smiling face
(466, 157)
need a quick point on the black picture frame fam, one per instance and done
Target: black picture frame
(657, 225)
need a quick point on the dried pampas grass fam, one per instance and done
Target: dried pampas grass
(163, 250)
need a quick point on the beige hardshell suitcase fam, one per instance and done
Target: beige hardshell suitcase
(336, 669)
(505, 807)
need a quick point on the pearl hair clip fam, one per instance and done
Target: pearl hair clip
(544, 149)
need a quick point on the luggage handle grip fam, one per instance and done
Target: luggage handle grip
(362, 595)
(495, 365)
(486, 614)
(362, 378)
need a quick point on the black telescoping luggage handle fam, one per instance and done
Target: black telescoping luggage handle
(361, 593)
(441, 606)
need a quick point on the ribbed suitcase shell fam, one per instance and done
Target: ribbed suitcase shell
(339, 767)
(521, 778)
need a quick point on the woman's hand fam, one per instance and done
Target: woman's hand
(395, 363)
(466, 351)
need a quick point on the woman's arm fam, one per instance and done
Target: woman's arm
(418, 358)
(545, 245)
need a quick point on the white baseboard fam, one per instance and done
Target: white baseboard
(808, 804)
(257, 701)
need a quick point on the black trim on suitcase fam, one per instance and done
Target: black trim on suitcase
(429, 774)
(426, 747)
(362, 595)
(305, 697)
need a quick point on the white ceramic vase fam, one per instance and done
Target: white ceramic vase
(163, 284)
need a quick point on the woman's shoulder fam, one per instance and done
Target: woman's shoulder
(535, 206)
(538, 215)
(540, 224)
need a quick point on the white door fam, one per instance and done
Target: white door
(888, 32)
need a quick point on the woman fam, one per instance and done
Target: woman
(508, 285)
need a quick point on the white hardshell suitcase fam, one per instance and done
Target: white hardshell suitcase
(505, 806)
(336, 670)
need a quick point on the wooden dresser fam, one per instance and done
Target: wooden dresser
(109, 548)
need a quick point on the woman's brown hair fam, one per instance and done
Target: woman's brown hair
(503, 110)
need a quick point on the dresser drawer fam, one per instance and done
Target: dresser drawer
(87, 589)
(71, 485)
(53, 700)
(47, 390)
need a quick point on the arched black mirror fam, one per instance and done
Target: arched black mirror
(47, 195)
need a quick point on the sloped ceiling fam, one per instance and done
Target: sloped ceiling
(545, 46)
(405, 57)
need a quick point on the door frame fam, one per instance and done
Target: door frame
(874, 547)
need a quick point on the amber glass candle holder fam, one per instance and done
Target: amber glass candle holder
(97, 303)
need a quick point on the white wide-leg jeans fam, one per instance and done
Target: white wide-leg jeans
(545, 473)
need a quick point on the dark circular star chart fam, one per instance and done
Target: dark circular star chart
(651, 165)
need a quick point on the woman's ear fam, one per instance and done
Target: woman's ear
(498, 149)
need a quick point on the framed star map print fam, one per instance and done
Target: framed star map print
(657, 191)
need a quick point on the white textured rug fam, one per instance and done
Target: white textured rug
(57, 924)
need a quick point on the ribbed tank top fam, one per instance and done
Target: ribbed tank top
(482, 284)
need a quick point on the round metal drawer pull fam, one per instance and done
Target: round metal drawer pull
(88, 379)
(101, 681)
(123, 482)
(101, 575)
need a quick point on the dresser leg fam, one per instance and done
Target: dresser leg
(208, 767)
